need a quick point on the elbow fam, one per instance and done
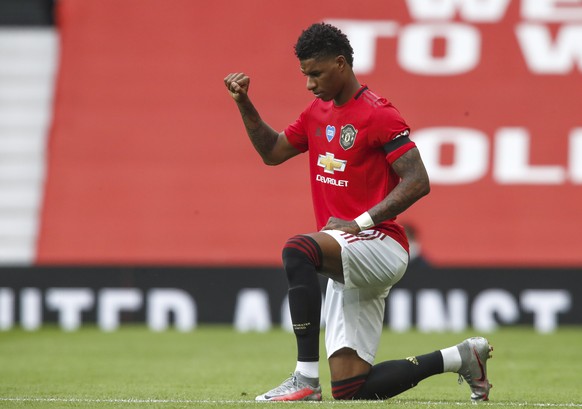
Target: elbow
(273, 158)
(425, 189)
(422, 187)
(271, 161)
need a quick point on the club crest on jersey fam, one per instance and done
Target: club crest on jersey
(329, 132)
(348, 136)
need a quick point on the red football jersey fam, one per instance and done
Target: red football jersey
(350, 172)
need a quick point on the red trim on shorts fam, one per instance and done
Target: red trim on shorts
(373, 235)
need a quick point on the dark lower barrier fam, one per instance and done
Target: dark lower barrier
(255, 298)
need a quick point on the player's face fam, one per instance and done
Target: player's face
(324, 77)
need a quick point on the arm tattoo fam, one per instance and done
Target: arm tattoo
(261, 135)
(413, 185)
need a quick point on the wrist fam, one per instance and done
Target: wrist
(242, 100)
(364, 221)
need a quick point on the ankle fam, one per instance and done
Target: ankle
(308, 369)
(451, 359)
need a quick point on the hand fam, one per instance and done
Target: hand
(238, 85)
(348, 226)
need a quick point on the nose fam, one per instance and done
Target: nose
(311, 85)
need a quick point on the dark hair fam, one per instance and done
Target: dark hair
(321, 40)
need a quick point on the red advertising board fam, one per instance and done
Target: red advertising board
(149, 162)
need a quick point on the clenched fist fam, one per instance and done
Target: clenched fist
(238, 85)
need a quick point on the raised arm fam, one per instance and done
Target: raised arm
(273, 146)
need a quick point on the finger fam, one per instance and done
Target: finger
(237, 88)
(330, 225)
(228, 79)
(234, 87)
(232, 77)
(238, 76)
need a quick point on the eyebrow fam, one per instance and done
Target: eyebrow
(313, 72)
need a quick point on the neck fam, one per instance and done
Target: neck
(348, 91)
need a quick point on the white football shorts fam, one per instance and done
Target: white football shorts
(354, 312)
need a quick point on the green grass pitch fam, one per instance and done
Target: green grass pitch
(216, 367)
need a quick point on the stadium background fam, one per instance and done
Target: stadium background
(125, 171)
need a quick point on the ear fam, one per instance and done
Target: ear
(341, 62)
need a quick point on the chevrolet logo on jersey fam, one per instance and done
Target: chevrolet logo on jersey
(330, 164)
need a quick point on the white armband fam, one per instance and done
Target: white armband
(364, 221)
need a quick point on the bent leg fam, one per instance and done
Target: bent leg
(354, 378)
(354, 313)
(348, 373)
(301, 258)
(331, 256)
(390, 378)
(346, 363)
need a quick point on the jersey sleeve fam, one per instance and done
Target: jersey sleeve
(296, 132)
(388, 130)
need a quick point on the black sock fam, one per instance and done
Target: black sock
(301, 257)
(390, 378)
(347, 388)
